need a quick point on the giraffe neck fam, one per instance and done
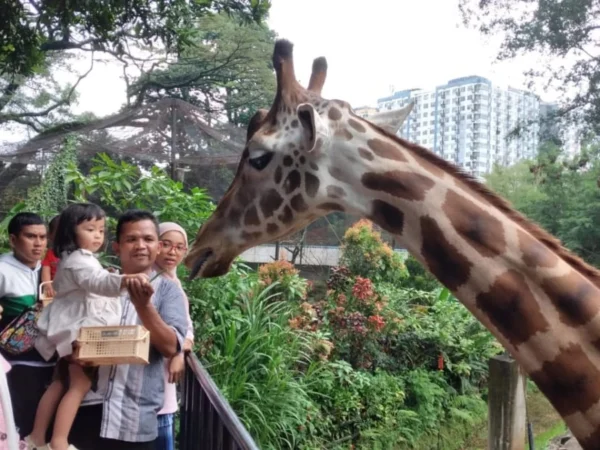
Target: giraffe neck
(538, 305)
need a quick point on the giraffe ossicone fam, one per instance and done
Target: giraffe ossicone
(308, 156)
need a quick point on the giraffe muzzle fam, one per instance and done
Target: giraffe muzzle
(199, 263)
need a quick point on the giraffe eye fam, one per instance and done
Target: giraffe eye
(260, 162)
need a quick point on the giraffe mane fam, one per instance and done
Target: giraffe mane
(551, 242)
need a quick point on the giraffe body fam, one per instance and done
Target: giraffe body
(308, 156)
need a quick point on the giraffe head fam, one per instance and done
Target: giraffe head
(286, 177)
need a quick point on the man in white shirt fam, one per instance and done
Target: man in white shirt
(19, 282)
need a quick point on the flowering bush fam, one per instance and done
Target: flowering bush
(291, 286)
(364, 253)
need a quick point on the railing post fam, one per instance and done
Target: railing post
(506, 405)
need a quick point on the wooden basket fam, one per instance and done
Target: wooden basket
(105, 346)
(45, 300)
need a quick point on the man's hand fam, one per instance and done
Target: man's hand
(188, 345)
(140, 290)
(176, 367)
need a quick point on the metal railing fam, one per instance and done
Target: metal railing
(207, 420)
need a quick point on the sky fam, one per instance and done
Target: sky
(372, 47)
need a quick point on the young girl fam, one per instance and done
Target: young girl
(86, 295)
(50, 261)
(174, 247)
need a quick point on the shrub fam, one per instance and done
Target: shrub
(364, 253)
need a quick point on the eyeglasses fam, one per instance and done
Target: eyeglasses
(167, 246)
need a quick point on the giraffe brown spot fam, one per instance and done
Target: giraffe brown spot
(335, 192)
(385, 149)
(287, 128)
(365, 154)
(245, 196)
(535, 253)
(292, 182)
(387, 216)
(574, 297)
(288, 160)
(284, 121)
(311, 184)
(272, 228)
(334, 113)
(591, 441)
(294, 123)
(286, 216)
(340, 175)
(478, 227)
(270, 202)
(330, 206)
(302, 159)
(571, 381)
(296, 152)
(444, 261)
(254, 235)
(298, 203)
(343, 133)
(251, 217)
(512, 308)
(278, 175)
(430, 167)
(313, 166)
(357, 125)
(235, 216)
(406, 185)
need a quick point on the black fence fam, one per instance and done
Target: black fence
(207, 422)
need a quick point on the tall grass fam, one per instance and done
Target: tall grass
(255, 360)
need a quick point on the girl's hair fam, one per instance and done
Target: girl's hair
(74, 214)
(53, 224)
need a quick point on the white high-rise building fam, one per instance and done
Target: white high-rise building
(468, 121)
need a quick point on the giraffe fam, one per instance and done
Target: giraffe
(307, 156)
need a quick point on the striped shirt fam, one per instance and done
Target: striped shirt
(132, 394)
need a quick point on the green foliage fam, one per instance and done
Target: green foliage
(121, 186)
(559, 193)
(252, 354)
(290, 286)
(225, 68)
(36, 36)
(419, 278)
(562, 32)
(365, 254)
(52, 194)
(32, 29)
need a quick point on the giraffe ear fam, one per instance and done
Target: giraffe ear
(315, 129)
(391, 121)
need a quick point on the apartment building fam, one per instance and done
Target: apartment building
(470, 121)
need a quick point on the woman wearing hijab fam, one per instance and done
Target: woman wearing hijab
(174, 247)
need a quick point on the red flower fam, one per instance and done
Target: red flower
(377, 322)
(362, 289)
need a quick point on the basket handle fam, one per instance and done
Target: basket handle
(41, 297)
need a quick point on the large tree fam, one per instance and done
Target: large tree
(225, 69)
(34, 34)
(565, 33)
(560, 193)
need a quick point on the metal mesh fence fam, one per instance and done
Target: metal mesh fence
(194, 147)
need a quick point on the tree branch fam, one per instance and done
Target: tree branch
(20, 118)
